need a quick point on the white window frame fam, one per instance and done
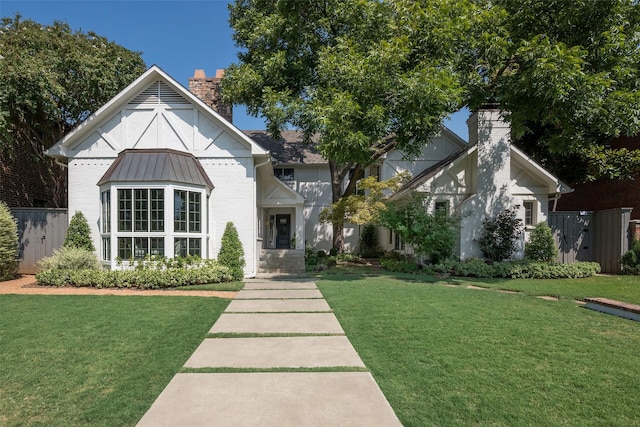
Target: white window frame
(111, 253)
(534, 213)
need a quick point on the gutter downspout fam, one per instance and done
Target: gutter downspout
(555, 199)
(256, 261)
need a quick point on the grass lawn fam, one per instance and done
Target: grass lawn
(94, 360)
(455, 356)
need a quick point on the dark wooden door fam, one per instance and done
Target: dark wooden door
(283, 227)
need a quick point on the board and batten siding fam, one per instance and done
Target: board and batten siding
(40, 232)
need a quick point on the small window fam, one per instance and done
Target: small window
(529, 213)
(285, 175)
(399, 244)
(185, 246)
(106, 212)
(442, 207)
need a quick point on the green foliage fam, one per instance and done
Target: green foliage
(499, 235)
(348, 74)
(78, 234)
(398, 266)
(541, 246)
(70, 258)
(8, 243)
(149, 276)
(507, 269)
(430, 234)
(369, 247)
(567, 72)
(53, 78)
(231, 252)
(631, 259)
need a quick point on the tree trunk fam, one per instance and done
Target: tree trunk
(336, 194)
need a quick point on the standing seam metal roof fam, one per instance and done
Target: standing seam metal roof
(150, 165)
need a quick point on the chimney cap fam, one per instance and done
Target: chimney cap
(199, 74)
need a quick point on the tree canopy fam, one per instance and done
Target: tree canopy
(54, 78)
(367, 76)
(567, 71)
(364, 76)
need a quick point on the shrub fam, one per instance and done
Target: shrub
(322, 254)
(8, 244)
(70, 258)
(499, 234)
(231, 252)
(631, 259)
(399, 266)
(79, 234)
(146, 278)
(541, 246)
(518, 269)
(333, 252)
(369, 242)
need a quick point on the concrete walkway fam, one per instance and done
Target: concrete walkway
(301, 332)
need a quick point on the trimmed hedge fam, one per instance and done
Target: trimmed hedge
(209, 272)
(506, 269)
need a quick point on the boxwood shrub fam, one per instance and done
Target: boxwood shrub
(146, 278)
(520, 269)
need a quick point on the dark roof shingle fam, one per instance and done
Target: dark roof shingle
(289, 148)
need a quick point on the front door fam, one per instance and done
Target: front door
(283, 235)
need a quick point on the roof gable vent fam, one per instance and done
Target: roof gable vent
(159, 93)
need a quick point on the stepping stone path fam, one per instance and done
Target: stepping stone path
(282, 328)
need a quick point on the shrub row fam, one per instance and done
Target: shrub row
(510, 269)
(138, 278)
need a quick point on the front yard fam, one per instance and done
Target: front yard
(442, 353)
(93, 360)
(449, 355)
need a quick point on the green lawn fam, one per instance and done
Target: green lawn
(455, 356)
(93, 360)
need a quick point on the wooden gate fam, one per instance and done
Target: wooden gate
(601, 236)
(40, 231)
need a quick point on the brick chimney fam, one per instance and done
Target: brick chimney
(208, 90)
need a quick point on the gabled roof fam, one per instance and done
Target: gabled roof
(433, 170)
(291, 149)
(153, 74)
(554, 184)
(156, 165)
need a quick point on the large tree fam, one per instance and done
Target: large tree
(364, 76)
(369, 76)
(51, 79)
(568, 73)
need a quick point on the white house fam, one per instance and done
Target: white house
(158, 171)
(486, 177)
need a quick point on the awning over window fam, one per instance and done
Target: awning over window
(149, 165)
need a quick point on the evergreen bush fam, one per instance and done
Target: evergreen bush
(631, 259)
(369, 242)
(8, 244)
(541, 246)
(231, 252)
(79, 234)
(499, 235)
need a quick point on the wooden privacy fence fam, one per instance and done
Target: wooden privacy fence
(40, 231)
(600, 236)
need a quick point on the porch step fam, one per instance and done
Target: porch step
(281, 261)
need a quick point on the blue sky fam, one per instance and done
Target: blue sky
(178, 36)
